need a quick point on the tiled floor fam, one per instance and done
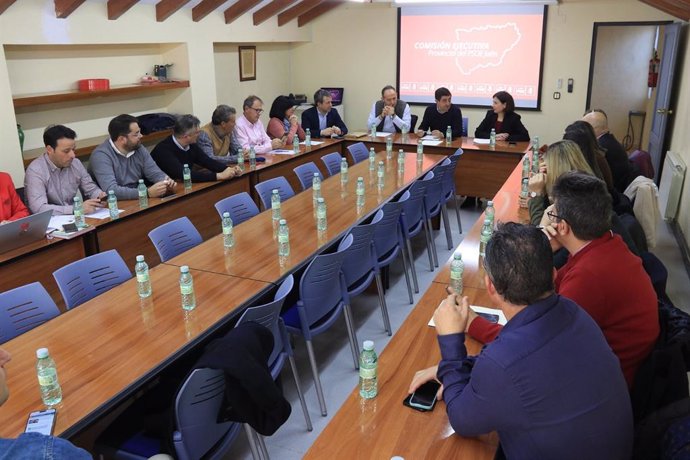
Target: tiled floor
(333, 355)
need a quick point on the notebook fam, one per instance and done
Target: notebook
(24, 231)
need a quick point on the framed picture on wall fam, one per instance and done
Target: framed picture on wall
(247, 63)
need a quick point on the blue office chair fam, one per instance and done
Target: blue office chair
(305, 174)
(358, 152)
(268, 315)
(174, 238)
(322, 298)
(413, 122)
(448, 182)
(434, 203)
(91, 276)
(24, 308)
(465, 126)
(240, 206)
(360, 264)
(413, 222)
(265, 188)
(332, 162)
(387, 246)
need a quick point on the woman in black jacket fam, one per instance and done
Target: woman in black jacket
(503, 119)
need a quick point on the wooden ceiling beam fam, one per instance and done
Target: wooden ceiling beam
(325, 7)
(64, 8)
(270, 10)
(117, 8)
(166, 8)
(4, 4)
(300, 8)
(238, 8)
(205, 7)
(677, 8)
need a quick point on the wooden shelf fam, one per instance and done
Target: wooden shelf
(86, 150)
(31, 100)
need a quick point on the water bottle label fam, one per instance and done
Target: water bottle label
(367, 373)
(186, 289)
(187, 176)
(317, 186)
(321, 214)
(283, 238)
(46, 380)
(227, 230)
(379, 174)
(360, 192)
(455, 275)
(142, 277)
(275, 205)
(78, 213)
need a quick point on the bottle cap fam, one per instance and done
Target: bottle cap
(316, 174)
(184, 269)
(226, 214)
(457, 255)
(274, 191)
(141, 181)
(489, 203)
(111, 192)
(380, 163)
(282, 222)
(487, 222)
(368, 345)
(320, 200)
(76, 198)
(186, 165)
(42, 353)
(140, 258)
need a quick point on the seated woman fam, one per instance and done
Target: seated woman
(284, 123)
(11, 206)
(503, 119)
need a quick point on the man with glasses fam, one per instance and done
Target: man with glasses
(172, 153)
(250, 131)
(120, 161)
(601, 274)
(549, 385)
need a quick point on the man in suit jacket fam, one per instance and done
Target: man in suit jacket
(322, 119)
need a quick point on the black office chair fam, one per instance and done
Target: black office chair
(413, 122)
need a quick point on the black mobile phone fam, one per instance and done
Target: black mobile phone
(69, 227)
(512, 144)
(42, 421)
(489, 317)
(424, 398)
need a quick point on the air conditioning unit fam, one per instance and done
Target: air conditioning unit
(671, 186)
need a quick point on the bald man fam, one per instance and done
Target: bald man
(616, 157)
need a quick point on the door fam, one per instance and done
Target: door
(663, 96)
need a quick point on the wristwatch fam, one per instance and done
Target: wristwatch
(534, 194)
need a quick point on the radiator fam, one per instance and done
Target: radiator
(671, 186)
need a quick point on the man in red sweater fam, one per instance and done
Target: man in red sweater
(601, 275)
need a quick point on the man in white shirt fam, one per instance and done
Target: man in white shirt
(389, 114)
(249, 131)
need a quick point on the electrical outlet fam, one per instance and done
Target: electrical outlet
(556, 95)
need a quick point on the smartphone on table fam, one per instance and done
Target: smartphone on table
(424, 398)
(42, 421)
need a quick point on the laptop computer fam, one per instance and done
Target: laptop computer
(24, 231)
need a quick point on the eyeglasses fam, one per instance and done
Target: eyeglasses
(258, 111)
(554, 217)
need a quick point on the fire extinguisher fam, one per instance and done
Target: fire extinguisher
(653, 74)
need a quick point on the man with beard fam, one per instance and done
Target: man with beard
(120, 161)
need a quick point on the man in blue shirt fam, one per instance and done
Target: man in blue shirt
(548, 384)
(33, 445)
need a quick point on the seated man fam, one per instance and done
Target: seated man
(172, 153)
(616, 157)
(322, 119)
(33, 445)
(11, 206)
(120, 161)
(249, 131)
(601, 274)
(216, 139)
(549, 384)
(439, 116)
(53, 179)
(389, 114)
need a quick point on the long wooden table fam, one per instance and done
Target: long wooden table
(110, 346)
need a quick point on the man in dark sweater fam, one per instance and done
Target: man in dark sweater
(172, 153)
(439, 116)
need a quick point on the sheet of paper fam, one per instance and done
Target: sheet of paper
(282, 152)
(382, 134)
(434, 142)
(56, 222)
(101, 214)
(482, 310)
(429, 137)
(313, 143)
(481, 141)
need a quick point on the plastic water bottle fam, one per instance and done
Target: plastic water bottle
(307, 138)
(187, 177)
(240, 159)
(228, 236)
(46, 371)
(492, 138)
(401, 160)
(526, 166)
(295, 144)
(187, 289)
(372, 159)
(457, 267)
(489, 212)
(316, 188)
(524, 191)
(360, 191)
(535, 160)
(449, 135)
(420, 150)
(143, 194)
(321, 221)
(343, 171)
(381, 175)
(283, 239)
(141, 269)
(252, 157)
(112, 205)
(372, 130)
(78, 210)
(405, 128)
(485, 236)
(389, 147)
(275, 204)
(368, 361)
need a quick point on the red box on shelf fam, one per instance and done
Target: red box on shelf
(94, 84)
